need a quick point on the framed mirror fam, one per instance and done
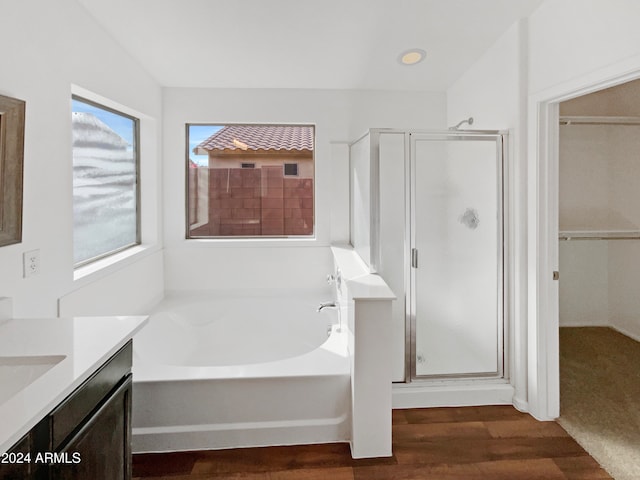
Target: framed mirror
(11, 167)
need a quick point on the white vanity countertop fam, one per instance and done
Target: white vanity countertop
(78, 347)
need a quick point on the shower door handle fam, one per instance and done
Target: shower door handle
(414, 258)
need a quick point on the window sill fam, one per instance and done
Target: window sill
(112, 263)
(253, 242)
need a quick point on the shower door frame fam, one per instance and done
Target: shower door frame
(500, 139)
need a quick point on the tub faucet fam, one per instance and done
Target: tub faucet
(324, 305)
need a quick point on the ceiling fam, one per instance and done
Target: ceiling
(325, 44)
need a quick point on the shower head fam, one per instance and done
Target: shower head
(457, 126)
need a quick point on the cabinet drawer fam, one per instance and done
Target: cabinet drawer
(72, 411)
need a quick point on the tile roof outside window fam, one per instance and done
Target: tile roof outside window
(259, 137)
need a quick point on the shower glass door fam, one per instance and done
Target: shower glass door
(456, 274)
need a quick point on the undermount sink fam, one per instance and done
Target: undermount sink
(16, 373)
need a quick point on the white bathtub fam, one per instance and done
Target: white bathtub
(232, 371)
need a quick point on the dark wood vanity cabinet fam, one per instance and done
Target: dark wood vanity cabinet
(88, 435)
(17, 468)
(21, 459)
(100, 449)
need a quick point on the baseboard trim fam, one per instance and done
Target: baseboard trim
(451, 395)
(583, 325)
(626, 333)
(521, 405)
(224, 436)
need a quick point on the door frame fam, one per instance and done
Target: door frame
(500, 138)
(543, 352)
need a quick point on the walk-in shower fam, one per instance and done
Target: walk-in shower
(427, 215)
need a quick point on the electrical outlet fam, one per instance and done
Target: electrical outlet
(31, 262)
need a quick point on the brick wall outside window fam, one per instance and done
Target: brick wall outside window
(252, 202)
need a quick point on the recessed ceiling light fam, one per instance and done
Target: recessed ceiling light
(413, 56)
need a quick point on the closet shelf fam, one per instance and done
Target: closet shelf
(598, 120)
(599, 234)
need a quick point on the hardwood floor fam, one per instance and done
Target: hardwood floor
(471, 443)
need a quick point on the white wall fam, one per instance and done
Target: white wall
(48, 47)
(403, 110)
(573, 39)
(619, 100)
(624, 255)
(491, 90)
(584, 283)
(108, 297)
(339, 116)
(584, 178)
(624, 278)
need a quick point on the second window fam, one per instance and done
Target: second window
(250, 180)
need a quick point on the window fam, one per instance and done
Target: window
(291, 169)
(250, 181)
(105, 181)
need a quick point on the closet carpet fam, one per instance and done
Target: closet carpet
(600, 396)
(470, 443)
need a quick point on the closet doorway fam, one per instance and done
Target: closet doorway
(599, 260)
